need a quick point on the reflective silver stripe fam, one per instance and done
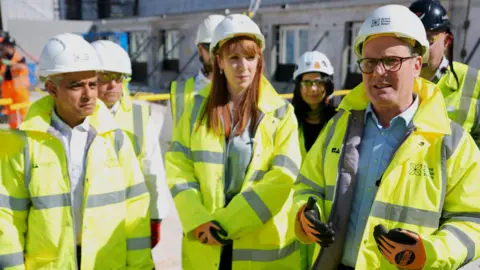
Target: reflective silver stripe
(118, 140)
(179, 100)
(280, 112)
(309, 192)
(267, 255)
(138, 243)
(15, 204)
(449, 145)
(184, 186)
(257, 176)
(405, 214)
(304, 180)
(136, 190)
(180, 148)
(468, 90)
(98, 200)
(286, 162)
(330, 192)
(11, 260)
(464, 239)
(196, 110)
(138, 128)
(51, 201)
(448, 214)
(257, 205)
(330, 135)
(208, 157)
(27, 162)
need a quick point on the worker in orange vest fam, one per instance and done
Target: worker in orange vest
(14, 73)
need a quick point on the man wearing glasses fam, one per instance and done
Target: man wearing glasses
(458, 82)
(182, 90)
(135, 120)
(394, 179)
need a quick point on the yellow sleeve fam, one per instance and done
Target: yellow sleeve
(457, 241)
(137, 222)
(14, 206)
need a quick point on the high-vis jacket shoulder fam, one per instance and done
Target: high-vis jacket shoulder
(463, 100)
(430, 186)
(257, 219)
(36, 217)
(180, 93)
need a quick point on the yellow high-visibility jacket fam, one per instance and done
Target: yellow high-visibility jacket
(181, 92)
(430, 186)
(257, 219)
(463, 101)
(36, 217)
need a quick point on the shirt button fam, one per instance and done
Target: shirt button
(382, 133)
(369, 189)
(375, 161)
(364, 218)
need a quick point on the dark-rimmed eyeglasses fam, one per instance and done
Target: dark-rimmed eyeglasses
(391, 63)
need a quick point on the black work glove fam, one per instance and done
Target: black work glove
(401, 248)
(314, 228)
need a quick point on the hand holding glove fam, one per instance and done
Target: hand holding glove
(6, 62)
(314, 228)
(401, 248)
(211, 233)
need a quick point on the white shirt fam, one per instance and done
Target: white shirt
(75, 141)
(200, 81)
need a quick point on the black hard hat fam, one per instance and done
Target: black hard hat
(433, 15)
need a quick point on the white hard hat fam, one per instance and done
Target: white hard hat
(205, 29)
(393, 19)
(313, 62)
(66, 53)
(236, 25)
(112, 57)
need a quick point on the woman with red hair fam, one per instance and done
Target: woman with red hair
(233, 161)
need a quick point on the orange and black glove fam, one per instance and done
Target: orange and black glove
(401, 248)
(155, 231)
(314, 228)
(211, 233)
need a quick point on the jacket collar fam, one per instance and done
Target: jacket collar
(431, 104)
(39, 117)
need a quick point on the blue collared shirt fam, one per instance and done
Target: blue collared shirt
(376, 150)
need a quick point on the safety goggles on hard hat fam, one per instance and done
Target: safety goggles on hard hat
(105, 77)
(391, 63)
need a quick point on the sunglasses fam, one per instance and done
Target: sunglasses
(317, 83)
(106, 77)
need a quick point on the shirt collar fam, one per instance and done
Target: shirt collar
(406, 115)
(201, 77)
(442, 69)
(115, 108)
(61, 125)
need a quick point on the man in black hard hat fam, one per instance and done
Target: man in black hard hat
(459, 83)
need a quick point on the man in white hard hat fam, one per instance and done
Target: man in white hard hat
(137, 122)
(405, 193)
(75, 197)
(181, 90)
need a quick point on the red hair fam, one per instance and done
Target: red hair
(217, 103)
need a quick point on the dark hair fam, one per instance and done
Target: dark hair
(301, 108)
(217, 103)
